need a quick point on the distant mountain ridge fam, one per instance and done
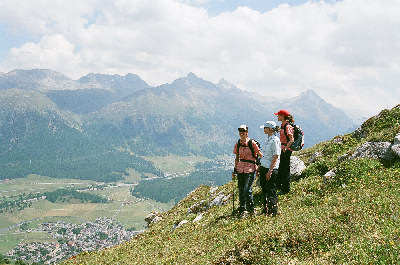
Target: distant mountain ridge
(112, 112)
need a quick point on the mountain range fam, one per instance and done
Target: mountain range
(99, 125)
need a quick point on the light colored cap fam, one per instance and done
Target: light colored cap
(268, 124)
(243, 126)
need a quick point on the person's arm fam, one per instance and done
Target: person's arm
(291, 138)
(260, 154)
(272, 166)
(234, 172)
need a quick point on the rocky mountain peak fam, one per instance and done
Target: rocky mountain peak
(223, 83)
(192, 76)
(309, 95)
(36, 79)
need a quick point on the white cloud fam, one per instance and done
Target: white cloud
(348, 51)
(52, 52)
(46, 17)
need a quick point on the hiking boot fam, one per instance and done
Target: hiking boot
(275, 212)
(240, 210)
(253, 212)
(264, 211)
(240, 213)
(243, 215)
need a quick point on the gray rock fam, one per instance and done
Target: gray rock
(396, 140)
(314, 156)
(198, 218)
(359, 133)
(330, 174)
(396, 150)
(198, 207)
(220, 200)
(343, 157)
(152, 217)
(297, 167)
(213, 190)
(338, 140)
(156, 219)
(176, 226)
(182, 223)
(374, 150)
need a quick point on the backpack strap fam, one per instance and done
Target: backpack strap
(284, 130)
(250, 146)
(237, 156)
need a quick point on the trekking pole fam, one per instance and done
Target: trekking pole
(233, 195)
(234, 176)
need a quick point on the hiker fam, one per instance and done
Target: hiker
(245, 169)
(268, 171)
(286, 137)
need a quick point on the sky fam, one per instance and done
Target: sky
(347, 51)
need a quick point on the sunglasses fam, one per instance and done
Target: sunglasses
(241, 130)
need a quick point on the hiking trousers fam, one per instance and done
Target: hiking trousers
(245, 182)
(270, 198)
(284, 172)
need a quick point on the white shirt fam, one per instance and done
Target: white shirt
(271, 147)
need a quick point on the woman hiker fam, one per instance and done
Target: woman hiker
(245, 169)
(268, 170)
(286, 137)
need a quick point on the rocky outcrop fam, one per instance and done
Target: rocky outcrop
(374, 150)
(330, 174)
(314, 156)
(359, 133)
(198, 207)
(379, 150)
(220, 200)
(396, 150)
(217, 198)
(177, 225)
(153, 217)
(297, 167)
(396, 140)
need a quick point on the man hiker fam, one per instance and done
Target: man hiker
(246, 151)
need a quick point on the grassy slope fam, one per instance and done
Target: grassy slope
(351, 219)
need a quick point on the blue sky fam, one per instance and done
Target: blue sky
(348, 51)
(219, 6)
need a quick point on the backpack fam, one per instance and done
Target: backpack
(298, 136)
(250, 145)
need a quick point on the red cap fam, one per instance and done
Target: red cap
(283, 112)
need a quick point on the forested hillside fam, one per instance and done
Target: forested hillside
(101, 126)
(38, 138)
